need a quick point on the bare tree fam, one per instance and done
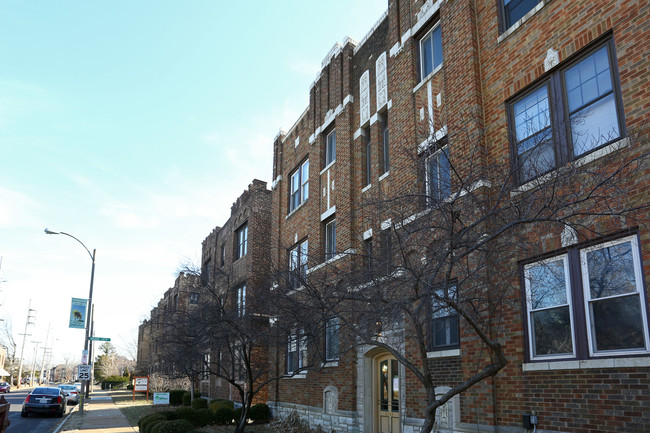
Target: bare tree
(445, 266)
(226, 336)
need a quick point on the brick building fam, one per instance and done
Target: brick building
(459, 105)
(184, 296)
(235, 268)
(227, 298)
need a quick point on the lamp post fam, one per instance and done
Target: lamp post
(89, 307)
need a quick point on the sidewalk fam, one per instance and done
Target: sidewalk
(101, 415)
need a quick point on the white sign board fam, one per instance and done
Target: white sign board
(161, 398)
(141, 384)
(84, 372)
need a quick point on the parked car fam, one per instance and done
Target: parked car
(5, 387)
(71, 393)
(45, 400)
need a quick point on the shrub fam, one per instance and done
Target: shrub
(147, 419)
(175, 426)
(223, 415)
(115, 382)
(176, 396)
(185, 412)
(187, 397)
(153, 423)
(129, 387)
(202, 417)
(200, 403)
(260, 413)
(218, 403)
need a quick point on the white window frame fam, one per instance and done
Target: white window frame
(242, 240)
(299, 186)
(332, 326)
(298, 259)
(530, 310)
(241, 301)
(330, 148)
(583, 291)
(330, 239)
(297, 341)
(434, 67)
(438, 154)
(638, 279)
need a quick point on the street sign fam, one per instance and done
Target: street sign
(99, 339)
(84, 372)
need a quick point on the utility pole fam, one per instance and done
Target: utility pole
(31, 376)
(44, 352)
(28, 322)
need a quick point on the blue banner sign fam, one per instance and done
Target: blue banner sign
(78, 313)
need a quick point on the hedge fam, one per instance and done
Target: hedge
(187, 397)
(199, 403)
(223, 415)
(260, 413)
(175, 426)
(115, 382)
(176, 396)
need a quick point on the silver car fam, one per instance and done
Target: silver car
(71, 393)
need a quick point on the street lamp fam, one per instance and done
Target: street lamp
(90, 302)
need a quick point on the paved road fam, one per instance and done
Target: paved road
(33, 423)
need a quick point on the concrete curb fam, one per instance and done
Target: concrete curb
(76, 407)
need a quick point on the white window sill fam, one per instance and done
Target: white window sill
(428, 77)
(587, 364)
(330, 364)
(443, 353)
(296, 209)
(297, 376)
(332, 260)
(513, 28)
(366, 188)
(328, 166)
(384, 176)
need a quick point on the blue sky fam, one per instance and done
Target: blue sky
(134, 125)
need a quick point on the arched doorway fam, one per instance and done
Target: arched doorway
(386, 394)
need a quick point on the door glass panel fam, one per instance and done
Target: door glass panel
(394, 386)
(383, 385)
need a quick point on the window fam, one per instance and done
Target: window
(438, 176)
(223, 255)
(430, 51)
(514, 10)
(299, 186)
(241, 301)
(298, 264)
(175, 302)
(296, 351)
(385, 154)
(368, 258)
(194, 298)
(238, 365)
(332, 339)
(386, 250)
(587, 302)
(330, 239)
(205, 371)
(444, 320)
(242, 241)
(206, 270)
(368, 162)
(576, 110)
(330, 148)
